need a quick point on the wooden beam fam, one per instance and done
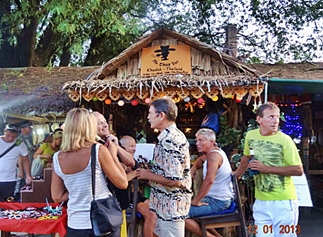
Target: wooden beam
(30, 118)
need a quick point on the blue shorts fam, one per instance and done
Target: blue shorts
(214, 205)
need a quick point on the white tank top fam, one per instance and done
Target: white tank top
(222, 188)
(79, 186)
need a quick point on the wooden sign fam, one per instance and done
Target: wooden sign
(165, 59)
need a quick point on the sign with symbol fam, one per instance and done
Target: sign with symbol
(166, 59)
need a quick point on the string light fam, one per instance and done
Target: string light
(292, 125)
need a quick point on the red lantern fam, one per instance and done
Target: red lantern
(107, 101)
(200, 100)
(134, 102)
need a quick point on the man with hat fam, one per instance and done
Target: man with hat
(26, 129)
(10, 149)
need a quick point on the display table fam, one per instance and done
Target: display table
(47, 226)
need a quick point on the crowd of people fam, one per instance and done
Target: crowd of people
(171, 208)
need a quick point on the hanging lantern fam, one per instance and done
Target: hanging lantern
(215, 98)
(121, 103)
(134, 102)
(200, 100)
(176, 98)
(94, 98)
(187, 99)
(108, 101)
(147, 100)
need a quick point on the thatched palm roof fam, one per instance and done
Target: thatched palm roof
(37, 91)
(299, 71)
(293, 78)
(121, 76)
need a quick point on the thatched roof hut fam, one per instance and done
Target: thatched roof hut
(195, 69)
(35, 93)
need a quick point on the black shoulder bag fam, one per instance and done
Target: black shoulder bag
(106, 214)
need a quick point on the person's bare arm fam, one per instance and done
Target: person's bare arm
(214, 162)
(148, 175)
(26, 165)
(125, 157)
(278, 170)
(198, 163)
(20, 167)
(131, 175)
(112, 167)
(242, 167)
(58, 190)
(38, 152)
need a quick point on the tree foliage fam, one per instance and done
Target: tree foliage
(90, 32)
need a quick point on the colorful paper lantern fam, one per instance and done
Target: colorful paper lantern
(200, 100)
(134, 102)
(108, 101)
(187, 99)
(176, 99)
(95, 99)
(121, 103)
(215, 98)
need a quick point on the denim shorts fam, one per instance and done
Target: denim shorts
(214, 205)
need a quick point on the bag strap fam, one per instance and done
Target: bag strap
(9, 149)
(93, 165)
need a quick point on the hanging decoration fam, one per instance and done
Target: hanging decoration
(121, 103)
(74, 95)
(186, 95)
(176, 98)
(88, 96)
(187, 99)
(240, 92)
(212, 92)
(114, 95)
(134, 102)
(147, 100)
(101, 96)
(108, 101)
(215, 98)
(227, 93)
(200, 100)
(128, 95)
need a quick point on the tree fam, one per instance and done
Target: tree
(272, 30)
(40, 32)
(90, 32)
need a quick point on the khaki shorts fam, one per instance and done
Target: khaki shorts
(170, 228)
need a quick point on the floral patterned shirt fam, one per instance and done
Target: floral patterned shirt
(171, 160)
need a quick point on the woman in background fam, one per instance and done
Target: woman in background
(71, 177)
(47, 150)
(44, 154)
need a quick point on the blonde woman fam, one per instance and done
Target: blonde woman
(71, 179)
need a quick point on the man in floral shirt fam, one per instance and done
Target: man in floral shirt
(170, 177)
